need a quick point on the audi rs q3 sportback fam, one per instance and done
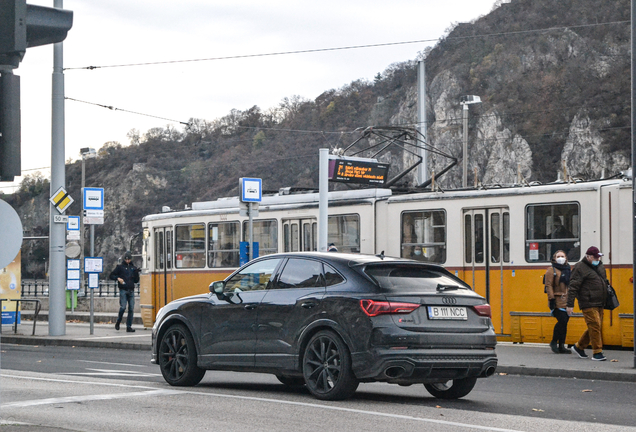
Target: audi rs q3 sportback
(330, 321)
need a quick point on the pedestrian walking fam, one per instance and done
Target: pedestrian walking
(588, 284)
(126, 275)
(557, 279)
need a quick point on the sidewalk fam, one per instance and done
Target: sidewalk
(514, 359)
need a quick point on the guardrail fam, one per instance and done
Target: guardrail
(40, 288)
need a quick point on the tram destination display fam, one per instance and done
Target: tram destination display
(358, 171)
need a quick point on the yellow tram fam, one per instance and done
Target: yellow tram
(499, 241)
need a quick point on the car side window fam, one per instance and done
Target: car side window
(254, 277)
(301, 273)
(332, 277)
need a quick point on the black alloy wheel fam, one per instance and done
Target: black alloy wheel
(453, 389)
(178, 357)
(327, 367)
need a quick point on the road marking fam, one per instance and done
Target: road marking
(111, 337)
(154, 391)
(86, 398)
(111, 372)
(108, 363)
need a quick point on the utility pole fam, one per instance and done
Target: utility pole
(465, 101)
(57, 259)
(422, 169)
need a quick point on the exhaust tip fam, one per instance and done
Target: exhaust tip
(490, 371)
(394, 371)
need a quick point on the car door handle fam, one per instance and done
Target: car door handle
(308, 305)
(250, 306)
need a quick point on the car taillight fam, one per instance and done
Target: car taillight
(375, 308)
(483, 310)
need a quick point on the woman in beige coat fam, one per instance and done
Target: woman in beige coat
(557, 279)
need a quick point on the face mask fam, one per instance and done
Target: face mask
(560, 260)
(595, 263)
(417, 252)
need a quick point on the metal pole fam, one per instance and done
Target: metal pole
(633, 33)
(57, 259)
(323, 201)
(92, 291)
(465, 147)
(251, 229)
(422, 169)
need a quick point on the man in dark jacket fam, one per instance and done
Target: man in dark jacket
(126, 275)
(588, 284)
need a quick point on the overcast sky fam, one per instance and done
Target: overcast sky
(115, 32)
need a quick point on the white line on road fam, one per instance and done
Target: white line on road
(109, 363)
(220, 395)
(71, 399)
(112, 372)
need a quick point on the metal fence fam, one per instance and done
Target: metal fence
(40, 288)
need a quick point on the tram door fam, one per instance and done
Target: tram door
(164, 255)
(300, 235)
(487, 258)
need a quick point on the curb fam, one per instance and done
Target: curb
(577, 374)
(21, 340)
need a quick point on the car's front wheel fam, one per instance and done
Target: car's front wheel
(178, 357)
(327, 367)
(453, 389)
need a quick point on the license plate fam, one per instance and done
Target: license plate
(447, 312)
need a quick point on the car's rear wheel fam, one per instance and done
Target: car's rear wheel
(327, 367)
(453, 389)
(292, 381)
(178, 357)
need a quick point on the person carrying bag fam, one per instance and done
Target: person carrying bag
(557, 279)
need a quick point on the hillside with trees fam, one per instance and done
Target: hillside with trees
(553, 77)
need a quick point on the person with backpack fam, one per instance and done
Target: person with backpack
(556, 280)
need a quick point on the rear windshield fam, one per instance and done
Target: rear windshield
(410, 278)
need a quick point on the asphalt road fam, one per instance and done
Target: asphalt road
(83, 389)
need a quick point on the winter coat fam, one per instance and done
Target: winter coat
(588, 284)
(129, 273)
(554, 288)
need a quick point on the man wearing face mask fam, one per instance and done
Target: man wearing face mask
(588, 284)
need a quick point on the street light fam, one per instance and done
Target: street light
(86, 153)
(465, 101)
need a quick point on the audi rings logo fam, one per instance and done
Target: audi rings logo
(449, 300)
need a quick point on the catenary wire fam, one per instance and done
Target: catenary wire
(306, 51)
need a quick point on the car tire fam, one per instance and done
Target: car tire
(178, 357)
(327, 367)
(291, 381)
(453, 389)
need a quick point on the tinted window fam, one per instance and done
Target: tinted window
(300, 273)
(400, 278)
(254, 277)
(332, 277)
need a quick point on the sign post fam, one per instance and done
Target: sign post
(93, 206)
(93, 266)
(251, 192)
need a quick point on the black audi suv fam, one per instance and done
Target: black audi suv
(330, 321)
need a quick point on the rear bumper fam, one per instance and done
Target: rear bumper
(410, 366)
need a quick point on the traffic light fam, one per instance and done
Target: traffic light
(22, 26)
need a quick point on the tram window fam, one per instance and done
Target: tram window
(168, 250)
(159, 250)
(552, 227)
(479, 238)
(265, 233)
(468, 245)
(144, 249)
(424, 236)
(223, 244)
(190, 246)
(497, 231)
(344, 232)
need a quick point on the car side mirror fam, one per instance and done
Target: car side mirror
(217, 287)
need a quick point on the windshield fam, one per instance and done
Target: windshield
(410, 278)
